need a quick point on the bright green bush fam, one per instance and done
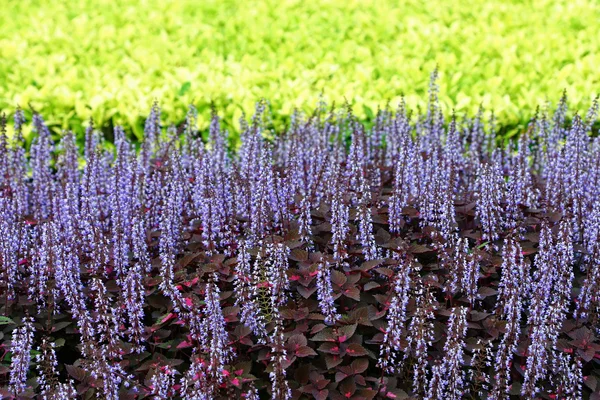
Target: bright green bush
(73, 60)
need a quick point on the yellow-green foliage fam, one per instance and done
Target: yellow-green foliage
(109, 59)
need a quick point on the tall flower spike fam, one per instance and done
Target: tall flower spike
(403, 173)
(68, 277)
(261, 187)
(204, 201)
(134, 293)
(41, 266)
(512, 291)
(475, 137)
(194, 383)
(567, 378)
(43, 182)
(397, 132)
(339, 220)
(90, 203)
(463, 269)
(504, 355)
(68, 160)
(564, 276)
(152, 130)
(453, 156)
(490, 141)
(470, 273)
(593, 177)
(251, 393)
(21, 346)
(515, 281)
(365, 223)
(538, 313)
(246, 293)
(92, 140)
(553, 172)
(106, 320)
(217, 343)
(513, 211)
(420, 336)
(262, 294)
(452, 383)
(17, 167)
(325, 293)
(527, 192)
(190, 132)
(396, 319)
(212, 199)
(4, 161)
(436, 200)
(276, 267)
(280, 389)
(432, 133)
(171, 226)
(162, 382)
(558, 121)
(592, 114)
(358, 174)
(19, 121)
(122, 201)
(489, 186)
(481, 361)
(576, 154)
(588, 301)
(9, 246)
(305, 220)
(48, 379)
(222, 185)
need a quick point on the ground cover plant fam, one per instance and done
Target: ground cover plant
(415, 260)
(110, 60)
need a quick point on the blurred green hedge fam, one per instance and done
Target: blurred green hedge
(109, 60)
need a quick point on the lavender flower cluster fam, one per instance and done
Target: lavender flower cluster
(421, 254)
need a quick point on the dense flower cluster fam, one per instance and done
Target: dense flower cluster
(414, 258)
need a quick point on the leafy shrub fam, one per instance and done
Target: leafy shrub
(76, 60)
(412, 261)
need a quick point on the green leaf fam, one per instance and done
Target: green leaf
(482, 245)
(6, 321)
(368, 113)
(185, 88)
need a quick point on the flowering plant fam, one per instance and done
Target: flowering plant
(417, 260)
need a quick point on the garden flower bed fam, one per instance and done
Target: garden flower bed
(418, 259)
